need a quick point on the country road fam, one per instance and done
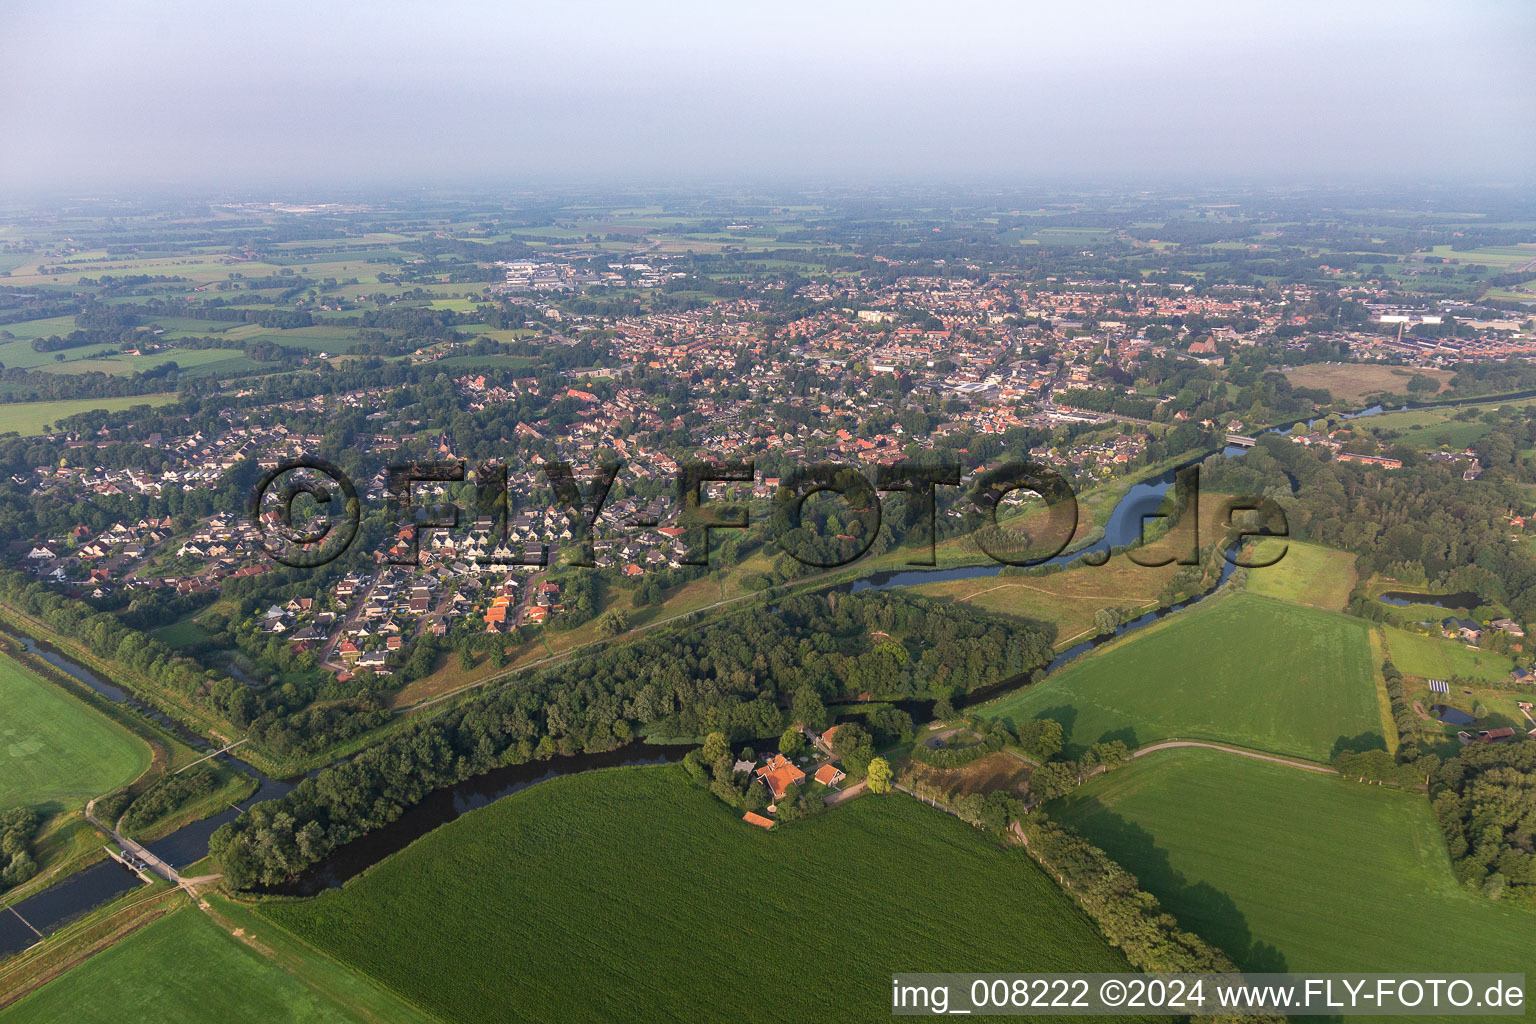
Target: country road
(1170, 744)
(1153, 748)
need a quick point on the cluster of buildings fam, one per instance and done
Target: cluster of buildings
(975, 353)
(777, 773)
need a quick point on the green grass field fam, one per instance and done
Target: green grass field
(630, 894)
(56, 751)
(1435, 657)
(1428, 430)
(1286, 869)
(32, 417)
(1243, 669)
(1306, 574)
(184, 632)
(1069, 598)
(90, 358)
(185, 969)
(491, 362)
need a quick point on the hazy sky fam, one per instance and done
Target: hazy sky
(214, 94)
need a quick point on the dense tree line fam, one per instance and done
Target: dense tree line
(1485, 801)
(1129, 917)
(17, 828)
(171, 794)
(734, 675)
(985, 736)
(23, 385)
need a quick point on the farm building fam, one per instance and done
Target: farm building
(779, 774)
(829, 775)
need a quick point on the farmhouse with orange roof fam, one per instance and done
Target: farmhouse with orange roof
(779, 774)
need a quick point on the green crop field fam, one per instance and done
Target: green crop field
(30, 330)
(1435, 657)
(1291, 870)
(1490, 255)
(56, 751)
(186, 969)
(1243, 669)
(630, 894)
(32, 417)
(1306, 574)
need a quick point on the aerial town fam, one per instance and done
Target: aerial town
(615, 513)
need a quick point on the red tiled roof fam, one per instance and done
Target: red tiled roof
(780, 774)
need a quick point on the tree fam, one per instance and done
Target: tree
(1041, 738)
(792, 743)
(1052, 780)
(942, 708)
(807, 708)
(715, 748)
(1110, 755)
(879, 776)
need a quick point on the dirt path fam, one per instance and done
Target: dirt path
(1274, 758)
(846, 794)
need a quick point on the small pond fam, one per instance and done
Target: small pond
(1463, 601)
(1452, 716)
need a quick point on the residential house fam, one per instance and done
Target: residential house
(829, 775)
(1462, 629)
(779, 774)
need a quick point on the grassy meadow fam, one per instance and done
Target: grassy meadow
(187, 968)
(631, 894)
(1425, 429)
(1069, 598)
(27, 418)
(1291, 870)
(1243, 669)
(1355, 382)
(56, 751)
(1306, 573)
(1435, 657)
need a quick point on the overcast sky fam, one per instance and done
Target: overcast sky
(218, 95)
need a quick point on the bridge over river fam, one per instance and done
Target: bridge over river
(135, 856)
